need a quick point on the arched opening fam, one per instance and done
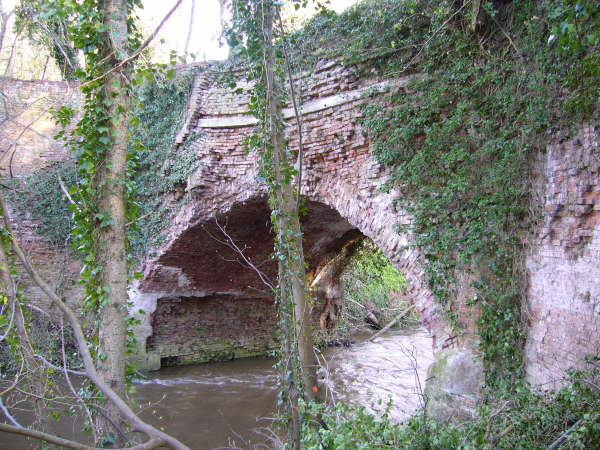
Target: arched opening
(212, 300)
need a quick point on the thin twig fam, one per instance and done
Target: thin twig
(138, 218)
(296, 113)
(429, 39)
(52, 366)
(488, 429)
(507, 36)
(564, 436)
(139, 50)
(15, 381)
(64, 189)
(8, 415)
(507, 430)
(233, 246)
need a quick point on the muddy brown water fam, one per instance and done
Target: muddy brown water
(229, 404)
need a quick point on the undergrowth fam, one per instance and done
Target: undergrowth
(521, 419)
(371, 285)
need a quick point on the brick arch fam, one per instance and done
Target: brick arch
(341, 184)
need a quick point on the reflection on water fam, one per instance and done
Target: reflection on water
(221, 404)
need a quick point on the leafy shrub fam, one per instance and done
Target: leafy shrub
(370, 281)
(519, 419)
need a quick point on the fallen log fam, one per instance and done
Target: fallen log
(391, 323)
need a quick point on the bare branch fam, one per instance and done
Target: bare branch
(189, 34)
(52, 366)
(563, 437)
(233, 246)
(430, 38)
(71, 388)
(139, 50)
(8, 415)
(391, 324)
(88, 362)
(64, 189)
(153, 443)
(491, 420)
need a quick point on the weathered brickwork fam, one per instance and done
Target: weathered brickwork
(341, 184)
(27, 144)
(563, 301)
(195, 286)
(192, 330)
(27, 138)
(60, 267)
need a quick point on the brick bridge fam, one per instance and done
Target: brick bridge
(201, 301)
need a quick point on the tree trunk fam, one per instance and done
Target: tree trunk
(289, 232)
(111, 238)
(326, 286)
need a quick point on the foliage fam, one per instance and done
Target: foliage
(162, 168)
(49, 30)
(157, 171)
(520, 419)
(576, 33)
(45, 336)
(459, 140)
(368, 32)
(41, 197)
(345, 427)
(372, 281)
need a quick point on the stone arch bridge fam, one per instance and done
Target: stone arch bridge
(201, 302)
(194, 289)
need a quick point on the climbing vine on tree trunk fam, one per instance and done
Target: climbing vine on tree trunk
(104, 31)
(111, 239)
(253, 36)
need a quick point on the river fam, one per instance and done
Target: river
(229, 404)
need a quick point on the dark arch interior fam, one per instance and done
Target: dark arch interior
(227, 311)
(204, 255)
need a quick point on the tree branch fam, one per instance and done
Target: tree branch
(391, 324)
(563, 437)
(152, 443)
(139, 50)
(82, 344)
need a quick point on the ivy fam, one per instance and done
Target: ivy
(157, 168)
(459, 140)
(41, 198)
(163, 168)
(521, 419)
